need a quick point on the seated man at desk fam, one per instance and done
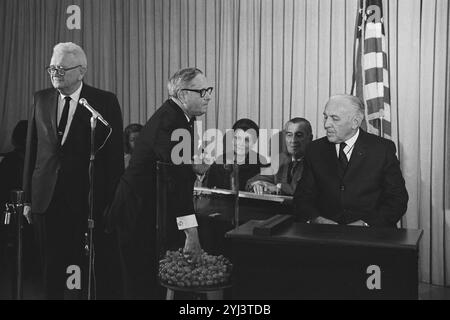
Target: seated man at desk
(298, 135)
(350, 176)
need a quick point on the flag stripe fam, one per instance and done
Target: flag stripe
(374, 75)
(374, 30)
(373, 105)
(375, 60)
(373, 45)
(374, 90)
(387, 96)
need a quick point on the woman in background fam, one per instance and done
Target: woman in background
(245, 138)
(130, 134)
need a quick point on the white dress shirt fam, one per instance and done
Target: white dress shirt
(72, 108)
(350, 144)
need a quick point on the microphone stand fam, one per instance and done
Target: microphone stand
(90, 235)
(15, 210)
(235, 187)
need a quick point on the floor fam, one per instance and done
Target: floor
(430, 292)
(31, 292)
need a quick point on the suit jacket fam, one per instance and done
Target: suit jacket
(372, 189)
(48, 164)
(281, 176)
(135, 202)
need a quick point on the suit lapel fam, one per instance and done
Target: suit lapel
(80, 117)
(284, 165)
(53, 115)
(332, 163)
(358, 154)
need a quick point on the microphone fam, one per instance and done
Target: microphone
(94, 112)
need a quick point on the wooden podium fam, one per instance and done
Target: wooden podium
(305, 261)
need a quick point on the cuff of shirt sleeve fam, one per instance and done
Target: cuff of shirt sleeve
(186, 222)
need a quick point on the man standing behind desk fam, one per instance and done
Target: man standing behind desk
(56, 176)
(134, 209)
(350, 176)
(298, 135)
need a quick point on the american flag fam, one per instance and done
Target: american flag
(371, 73)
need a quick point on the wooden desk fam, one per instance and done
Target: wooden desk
(251, 206)
(324, 262)
(215, 213)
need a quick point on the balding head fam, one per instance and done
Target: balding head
(343, 116)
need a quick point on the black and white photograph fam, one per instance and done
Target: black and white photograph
(222, 152)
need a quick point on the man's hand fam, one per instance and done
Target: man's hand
(200, 169)
(322, 220)
(202, 163)
(262, 187)
(192, 243)
(27, 213)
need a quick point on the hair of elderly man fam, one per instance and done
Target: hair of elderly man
(299, 120)
(73, 49)
(353, 101)
(181, 79)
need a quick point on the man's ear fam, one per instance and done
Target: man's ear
(361, 119)
(356, 121)
(181, 94)
(82, 72)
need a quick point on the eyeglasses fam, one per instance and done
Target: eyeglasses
(59, 70)
(201, 91)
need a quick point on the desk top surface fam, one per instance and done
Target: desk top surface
(333, 234)
(244, 194)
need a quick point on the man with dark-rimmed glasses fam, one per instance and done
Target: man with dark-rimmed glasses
(133, 212)
(56, 175)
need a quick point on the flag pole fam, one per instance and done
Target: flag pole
(363, 76)
(381, 132)
(353, 89)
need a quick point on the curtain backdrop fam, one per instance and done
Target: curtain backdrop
(268, 60)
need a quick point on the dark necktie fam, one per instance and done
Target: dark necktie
(63, 121)
(342, 156)
(291, 170)
(191, 123)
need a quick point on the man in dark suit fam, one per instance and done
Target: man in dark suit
(298, 135)
(134, 210)
(350, 176)
(56, 176)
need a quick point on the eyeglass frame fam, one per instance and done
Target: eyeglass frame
(52, 69)
(202, 92)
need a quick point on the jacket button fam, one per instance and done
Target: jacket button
(342, 188)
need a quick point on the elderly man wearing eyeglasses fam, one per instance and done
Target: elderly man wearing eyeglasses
(134, 211)
(56, 174)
